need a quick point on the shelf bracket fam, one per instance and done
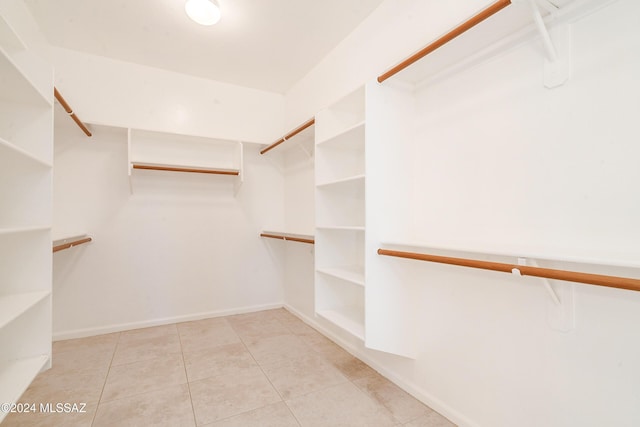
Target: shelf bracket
(309, 155)
(557, 60)
(561, 305)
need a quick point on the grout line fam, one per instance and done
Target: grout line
(113, 355)
(266, 376)
(186, 375)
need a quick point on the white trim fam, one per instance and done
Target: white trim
(119, 327)
(407, 385)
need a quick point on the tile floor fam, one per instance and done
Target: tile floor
(259, 369)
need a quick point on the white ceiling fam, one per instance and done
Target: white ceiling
(263, 44)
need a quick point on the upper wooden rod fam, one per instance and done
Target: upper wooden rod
(547, 273)
(290, 135)
(69, 111)
(184, 169)
(285, 237)
(470, 23)
(71, 244)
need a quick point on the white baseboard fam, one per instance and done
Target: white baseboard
(119, 327)
(406, 384)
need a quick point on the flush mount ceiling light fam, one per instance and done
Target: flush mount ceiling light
(204, 12)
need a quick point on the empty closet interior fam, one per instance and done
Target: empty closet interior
(450, 193)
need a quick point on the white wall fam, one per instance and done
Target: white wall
(393, 31)
(488, 355)
(180, 247)
(118, 93)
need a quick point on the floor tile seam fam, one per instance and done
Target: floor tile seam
(186, 375)
(154, 389)
(289, 359)
(251, 410)
(262, 370)
(117, 365)
(376, 403)
(317, 390)
(143, 341)
(104, 384)
(428, 409)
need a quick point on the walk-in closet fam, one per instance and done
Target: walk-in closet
(342, 213)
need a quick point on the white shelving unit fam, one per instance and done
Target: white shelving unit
(340, 214)
(26, 153)
(166, 152)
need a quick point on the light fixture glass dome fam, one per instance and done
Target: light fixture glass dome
(204, 12)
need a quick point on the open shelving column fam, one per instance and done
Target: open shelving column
(340, 214)
(26, 153)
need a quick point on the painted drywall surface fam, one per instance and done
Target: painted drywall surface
(180, 247)
(395, 30)
(488, 355)
(299, 190)
(119, 93)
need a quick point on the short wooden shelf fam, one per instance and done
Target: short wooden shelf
(356, 179)
(351, 274)
(16, 376)
(12, 153)
(17, 85)
(342, 227)
(346, 319)
(350, 137)
(13, 305)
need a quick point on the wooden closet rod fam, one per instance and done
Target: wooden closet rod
(283, 237)
(547, 273)
(69, 111)
(470, 23)
(181, 169)
(71, 244)
(289, 135)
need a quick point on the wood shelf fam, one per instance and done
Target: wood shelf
(355, 179)
(351, 274)
(345, 319)
(17, 86)
(11, 153)
(342, 227)
(15, 230)
(341, 139)
(13, 305)
(26, 174)
(16, 376)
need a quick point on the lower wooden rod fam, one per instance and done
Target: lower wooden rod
(69, 111)
(71, 244)
(293, 239)
(547, 273)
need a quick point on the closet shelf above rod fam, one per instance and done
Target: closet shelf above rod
(522, 270)
(69, 243)
(176, 168)
(302, 238)
(70, 112)
(460, 29)
(290, 135)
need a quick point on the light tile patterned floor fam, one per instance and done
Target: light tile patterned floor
(259, 369)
